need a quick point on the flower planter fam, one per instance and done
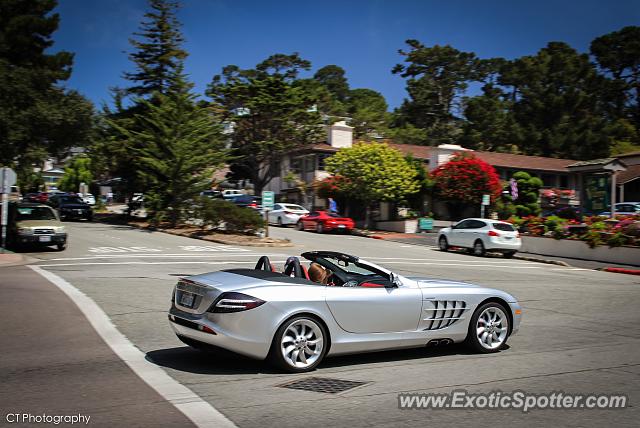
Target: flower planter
(401, 226)
(580, 250)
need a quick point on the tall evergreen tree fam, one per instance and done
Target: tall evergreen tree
(176, 147)
(158, 53)
(38, 117)
(158, 60)
(618, 55)
(269, 115)
(437, 77)
(557, 102)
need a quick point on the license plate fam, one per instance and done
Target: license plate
(508, 238)
(186, 299)
(45, 239)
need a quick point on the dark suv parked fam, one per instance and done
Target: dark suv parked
(70, 207)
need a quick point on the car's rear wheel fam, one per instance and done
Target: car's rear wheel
(299, 345)
(488, 329)
(279, 221)
(478, 248)
(299, 226)
(320, 228)
(443, 244)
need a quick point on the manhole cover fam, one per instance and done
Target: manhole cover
(323, 384)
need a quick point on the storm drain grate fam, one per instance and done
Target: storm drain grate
(323, 384)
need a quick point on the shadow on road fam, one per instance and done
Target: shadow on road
(220, 361)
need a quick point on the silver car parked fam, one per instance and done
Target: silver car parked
(360, 307)
(479, 235)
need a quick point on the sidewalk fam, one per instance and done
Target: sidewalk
(430, 240)
(54, 363)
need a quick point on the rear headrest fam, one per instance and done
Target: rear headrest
(264, 264)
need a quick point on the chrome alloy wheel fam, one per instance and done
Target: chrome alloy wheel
(492, 328)
(302, 343)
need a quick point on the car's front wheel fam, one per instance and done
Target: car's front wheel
(299, 345)
(62, 247)
(299, 226)
(320, 228)
(488, 329)
(279, 221)
(443, 244)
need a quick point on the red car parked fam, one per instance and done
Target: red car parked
(325, 221)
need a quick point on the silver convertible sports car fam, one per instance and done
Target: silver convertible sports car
(360, 307)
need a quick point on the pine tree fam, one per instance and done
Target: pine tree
(38, 118)
(158, 52)
(177, 146)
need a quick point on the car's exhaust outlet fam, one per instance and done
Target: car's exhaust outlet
(439, 342)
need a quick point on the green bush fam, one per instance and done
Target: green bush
(593, 238)
(619, 239)
(222, 215)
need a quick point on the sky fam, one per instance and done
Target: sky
(361, 36)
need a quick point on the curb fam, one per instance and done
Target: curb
(546, 261)
(622, 270)
(225, 241)
(216, 240)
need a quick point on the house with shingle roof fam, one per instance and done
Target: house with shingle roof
(308, 165)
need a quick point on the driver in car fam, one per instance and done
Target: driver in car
(318, 273)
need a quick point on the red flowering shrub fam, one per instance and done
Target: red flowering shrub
(330, 187)
(466, 178)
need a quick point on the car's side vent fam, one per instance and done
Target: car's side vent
(439, 314)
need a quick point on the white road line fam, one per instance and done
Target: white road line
(201, 413)
(160, 255)
(462, 259)
(226, 262)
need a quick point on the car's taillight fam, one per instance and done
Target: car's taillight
(252, 205)
(493, 233)
(235, 302)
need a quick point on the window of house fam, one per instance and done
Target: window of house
(564, 181)
(548, 180)
(296, 164)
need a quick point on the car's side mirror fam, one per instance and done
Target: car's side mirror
(395, 280)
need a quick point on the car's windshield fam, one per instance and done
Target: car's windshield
(35, 213)
(70, 200)
(349, 267)
(334, 215)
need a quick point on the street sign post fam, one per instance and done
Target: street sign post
(486, 200)
(268, 201)
(7, 179)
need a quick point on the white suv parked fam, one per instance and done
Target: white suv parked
(479, 235)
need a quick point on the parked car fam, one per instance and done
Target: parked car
(325, 221)
(88, 198)
(479, 235)
(211, 193)
(284, 214)
(35, 224)
(70, 207)
(295, 322)
(249, 201)
(624, 208)
(232, 193)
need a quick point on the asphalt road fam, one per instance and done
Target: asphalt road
(579, 333)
